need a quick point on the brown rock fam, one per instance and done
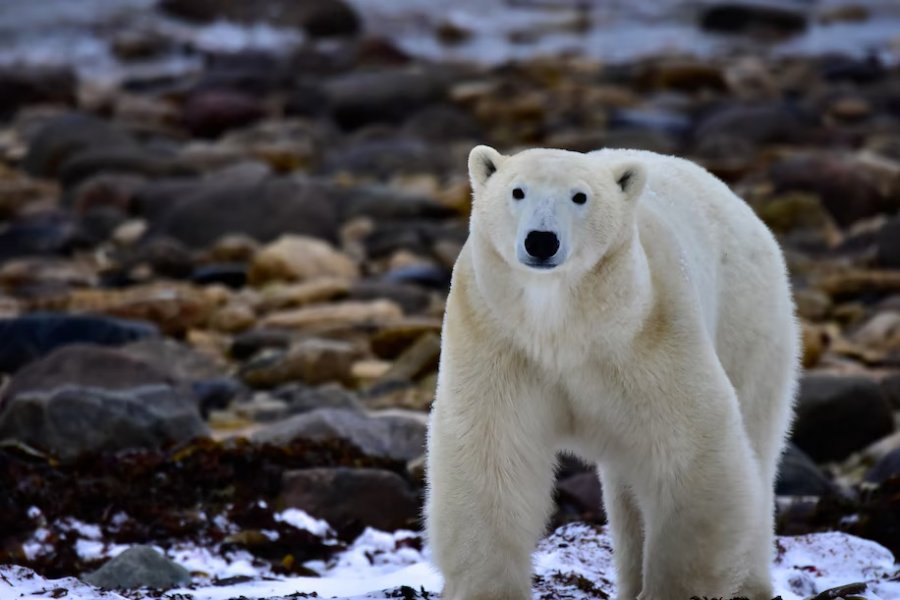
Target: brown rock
(393, 339)
(297, 258)
(175, 308)
(311, 361)
(815, 341)
(350, 499)
(330, 316)
(277, 296)
(855, 282)
(233, 318)
(418, 359)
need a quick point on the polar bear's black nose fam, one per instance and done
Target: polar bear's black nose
(541, 244)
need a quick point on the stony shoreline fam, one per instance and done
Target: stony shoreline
(226, 289)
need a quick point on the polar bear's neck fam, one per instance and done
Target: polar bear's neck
(606, 307)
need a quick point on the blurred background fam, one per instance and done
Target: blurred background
(228, 228)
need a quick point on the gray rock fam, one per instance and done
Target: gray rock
(32, 336)
(139, 566)
(360, 98)
(798, 475)
(302, 398)
(398, 437)
(68, 135)
(887, 467)
(177, 360)
(70, 421)
(838, 415)
(84, 365)
(263, 210)
(352, 498)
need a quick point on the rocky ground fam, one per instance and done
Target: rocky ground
(221, 291)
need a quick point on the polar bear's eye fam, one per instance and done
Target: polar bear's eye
(518, 193)
(579, 198)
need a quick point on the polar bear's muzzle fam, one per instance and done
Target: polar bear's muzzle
(540, 250)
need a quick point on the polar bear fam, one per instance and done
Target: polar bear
(626, 307)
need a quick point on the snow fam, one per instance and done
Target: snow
(574, 555)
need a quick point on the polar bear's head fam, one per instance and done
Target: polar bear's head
(553, 211)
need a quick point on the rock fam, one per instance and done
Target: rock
(177, 360)
(397, 437)
(299, 258)
(71, 421)
(858, 282)
(419, 359)
(390, 341)
(887, 244)
(386, 204)
(139, 566)
(301, 398)
(18, 191)
(798, 475)
(887, 467)
(66, 136)
(361, 98)
(744, 16)
(312, 361)
(138, 44)
(175, 308)
(673, 125)
(262, 210)
(890, 385)
(684, 74)
(209, 113)
(41, 234)
(837, 415)
(276, 296)
(352, 499)
(815, 342)
(248, 343)
(386, 157)
(581, 493)
(84, 366)
(316, 17)
(233, 275)
(22, 85)
(234, 317)
(443, 123)
(121, 160)
(411, 298)
(881, 332)
(32, 336)
(756, 123)
(335, 316)
(426, 275)
(849, 190)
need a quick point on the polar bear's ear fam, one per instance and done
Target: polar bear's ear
(483, 162)
(630, 177)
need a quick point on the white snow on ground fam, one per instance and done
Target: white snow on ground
(564, 562)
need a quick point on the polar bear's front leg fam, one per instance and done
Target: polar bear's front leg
(490, 476)
(702, 504)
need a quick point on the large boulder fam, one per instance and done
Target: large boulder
(32, 336)
(798, 475)
(71, 421)
(838, 415)
(397, 437)
(352, 498)
(68, 135)
(263, 210)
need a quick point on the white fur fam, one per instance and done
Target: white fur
(663, 347)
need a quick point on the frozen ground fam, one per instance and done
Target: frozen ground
(575, 562)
